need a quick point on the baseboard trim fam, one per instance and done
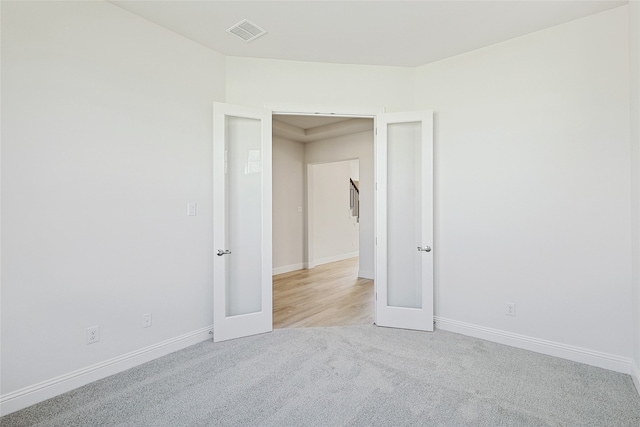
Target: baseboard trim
(365, 274)
(635, 375)
(288, 268)
(335, 258)
(550, 348)
(31, 395)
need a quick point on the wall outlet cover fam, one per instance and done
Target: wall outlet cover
(511, 309)
(146, 320)
(93, 334)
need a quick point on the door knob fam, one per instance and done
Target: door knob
(223, 252)
(425, 249)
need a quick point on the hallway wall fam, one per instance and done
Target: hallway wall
(355, 146)
(334, 232)
(289, 243)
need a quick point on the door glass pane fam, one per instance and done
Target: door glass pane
(243, 166)
(404, 226)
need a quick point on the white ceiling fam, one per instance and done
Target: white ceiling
(399, 33)
(307, 122)
(314, 128)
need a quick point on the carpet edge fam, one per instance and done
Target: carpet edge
(551, 348)
(635, 375)
(44, 390)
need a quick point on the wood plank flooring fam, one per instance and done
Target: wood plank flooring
(327, 295)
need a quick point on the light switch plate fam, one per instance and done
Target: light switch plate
(191, 209)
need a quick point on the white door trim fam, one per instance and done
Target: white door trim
(311, 110)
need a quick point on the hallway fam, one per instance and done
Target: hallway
(327, 295)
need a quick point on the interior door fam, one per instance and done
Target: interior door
(242, 300)
(404, 220)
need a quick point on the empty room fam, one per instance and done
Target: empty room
(144, 199)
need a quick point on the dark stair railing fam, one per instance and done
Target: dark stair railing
(354, 202)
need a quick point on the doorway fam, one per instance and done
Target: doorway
(318, 235)
(242, 166)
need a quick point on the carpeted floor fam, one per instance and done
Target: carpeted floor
(355, 375)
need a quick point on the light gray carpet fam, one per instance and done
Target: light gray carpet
(354, 375)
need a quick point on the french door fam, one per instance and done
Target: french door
(242, 268)
(404, 220)
(241, 221)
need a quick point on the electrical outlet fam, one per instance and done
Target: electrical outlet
(511, 309)
(146, 320)
(93, 334)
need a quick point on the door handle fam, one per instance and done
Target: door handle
(425, 249)
(223, 252)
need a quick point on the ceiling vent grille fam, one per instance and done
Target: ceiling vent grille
(246, 30)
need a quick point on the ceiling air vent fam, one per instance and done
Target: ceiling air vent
(246, 30)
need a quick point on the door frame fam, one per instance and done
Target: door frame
(328, 111)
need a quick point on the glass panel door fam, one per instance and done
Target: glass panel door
(404, 218)
(244, 215)
(404, 222)
(242, 222)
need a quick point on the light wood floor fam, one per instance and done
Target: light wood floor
(327, 295)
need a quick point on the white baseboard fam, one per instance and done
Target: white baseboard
(551, 348)
(289, 268)
(366, 274)
(334, 258)
(635, 375)
(31, 395)
(300, 266)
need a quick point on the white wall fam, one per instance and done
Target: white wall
(260, 82)
(106, 135)
(532, 185)
(334, 232)
(356, 146)
(288, 195)
(634, 57)
(354, 170)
